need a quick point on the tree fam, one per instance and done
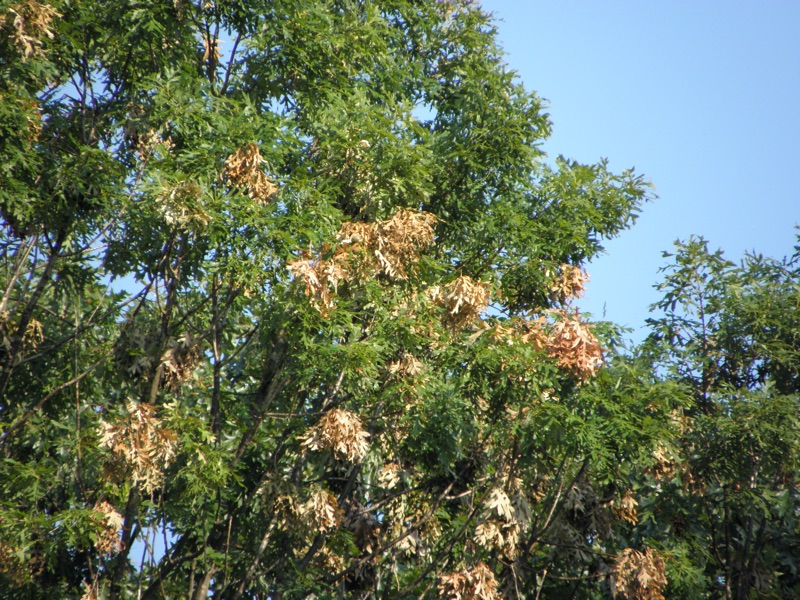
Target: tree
(288, 310)
(722, 501)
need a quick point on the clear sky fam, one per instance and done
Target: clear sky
(702, 97)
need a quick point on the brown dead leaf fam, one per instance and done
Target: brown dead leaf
(464, 299)
(30, 24)
(570, 282)
(478, 583)
(341, 432)
(243, 169)
(364, 251)
(639, 575)
(141, 443)
(321, 512)
(110, 522)
(625, 508)
(573, 344)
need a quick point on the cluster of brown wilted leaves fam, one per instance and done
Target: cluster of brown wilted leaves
(141, 443)
(321, 512)
(572, 343)
(109, 523)
(147, 142)
(31, 337)
(243, 170)
(89, 591)
(504, 520)
(639, 575)
(389, 246)
(407, 366)
(625, 508)
(341, 432)
(569, 340)
(30, 24)
(477, 583)
(365, 250)
(570, 283)
(320, 277)
(211, 48)
(463, 299)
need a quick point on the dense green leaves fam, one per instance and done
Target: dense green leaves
(287, 310)
(727, 490)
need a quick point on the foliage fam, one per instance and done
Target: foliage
(287, 310)
(723, 501)
(287, 301)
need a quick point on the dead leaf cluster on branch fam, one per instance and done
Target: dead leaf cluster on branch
(141, 443)
(341, 432)
(30, 23)
(365, 250)
(463, 299)
(639, 575)
(244, 169)
(570, 282)
(477, 583)
(573, 344)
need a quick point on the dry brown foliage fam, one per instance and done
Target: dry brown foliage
(390, 476)
(463, 299)
(505, 518)
(390, 246)
(283, 500)
(328, 561)
(211, 49)
(321, 512)
(625, 508)
(498, 535)
(365, 250)
(530, 332)
(407, 366)
(478, 583)
(141, 443)
(341, 432)
(668, 463)
(639, 576)
(30, 24)
(320, 277)
(34, 334)
(665, 461)
(31, 338)
(573, 344)
(243, 170)
(110, 522)
(147, 142)
(89, 591)
(570, 283)
(412, 524)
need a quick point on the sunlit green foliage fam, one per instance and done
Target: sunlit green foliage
(724, 501)
(287, 309)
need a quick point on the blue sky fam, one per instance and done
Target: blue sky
(701, 97)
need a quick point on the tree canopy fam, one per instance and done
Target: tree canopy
(289, 311)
